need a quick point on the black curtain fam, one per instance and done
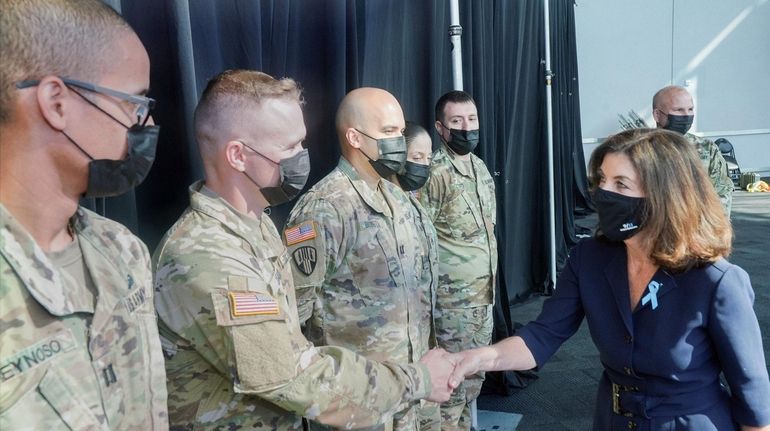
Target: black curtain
(334, 46)
(569, 163)
(567, 124)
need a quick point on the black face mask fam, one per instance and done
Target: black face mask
(462, 142)
(114, 177)
(414, 177)
(392, 155)
(620, 217)
(679, 123)
(294, 173)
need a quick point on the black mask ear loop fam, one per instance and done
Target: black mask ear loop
(91, 102)
(371, 160)
(441, 135)
(252, 181)
(445, 141)
(76, 145)
(95, 106)
(244, 171)
(259, 188)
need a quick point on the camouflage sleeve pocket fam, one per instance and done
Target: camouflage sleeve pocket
(261, 353)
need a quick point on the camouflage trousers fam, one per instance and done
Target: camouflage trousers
(727, 203)
(461, 329)
(405, 420)
(430, 416)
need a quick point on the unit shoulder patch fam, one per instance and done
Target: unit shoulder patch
(305, 259)
(307, 251)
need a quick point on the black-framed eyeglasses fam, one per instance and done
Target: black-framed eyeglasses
(144, 104)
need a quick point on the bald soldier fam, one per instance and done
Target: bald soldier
(354, 240)
(79, 346)
(673, 109)
(236, 357)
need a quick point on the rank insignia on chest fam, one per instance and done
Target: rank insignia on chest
(251, 304)
(305, 259)
(299, 233)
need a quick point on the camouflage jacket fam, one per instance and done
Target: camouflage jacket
(463, 210)
(62, 367)
(366, 290)
(429, 244)
(716, 167)
(235, 354)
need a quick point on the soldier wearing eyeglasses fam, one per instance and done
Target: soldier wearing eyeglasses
(79, 346)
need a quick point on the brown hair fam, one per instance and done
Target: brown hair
(412, 131)
(684, 222)
(232, 92)
(38, 38)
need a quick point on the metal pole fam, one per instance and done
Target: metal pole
(455, 36)
(549, 125)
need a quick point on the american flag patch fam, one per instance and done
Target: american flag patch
(299, 233)
(251, 304)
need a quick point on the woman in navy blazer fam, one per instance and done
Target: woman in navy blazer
(666, 311)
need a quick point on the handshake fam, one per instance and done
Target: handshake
(448, 370)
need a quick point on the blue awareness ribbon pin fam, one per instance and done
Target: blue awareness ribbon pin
(652, 297)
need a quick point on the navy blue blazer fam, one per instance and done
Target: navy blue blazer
(665, 357)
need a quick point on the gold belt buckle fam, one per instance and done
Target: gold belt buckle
(616, 388)
(616, 399)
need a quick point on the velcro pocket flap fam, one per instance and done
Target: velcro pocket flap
(263, 354)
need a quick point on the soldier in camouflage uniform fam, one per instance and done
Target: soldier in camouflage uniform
(460, 198)
(236, 357)
(363, 276)
(79, 347)
(411, 180)
(673, 109)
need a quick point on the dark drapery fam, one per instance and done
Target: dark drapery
(569, 163)
(334, 46)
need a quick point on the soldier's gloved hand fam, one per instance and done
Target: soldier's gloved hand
(440, 367)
